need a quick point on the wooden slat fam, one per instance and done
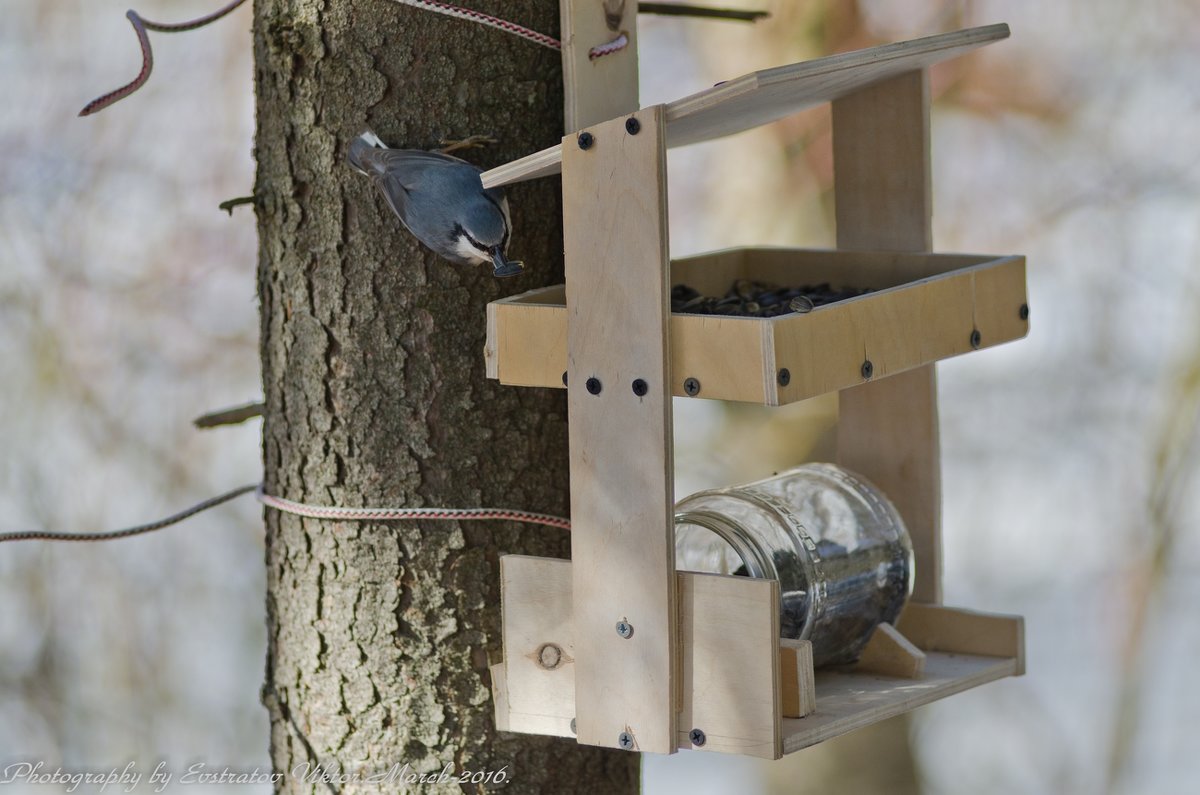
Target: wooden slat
(797, 687)
(500, 696)
(939, 628)
(847, 701)
(887, 429)
(604, 88)
(889, 653)
(622, 537)
(765, 96)
(729, 664)
(538, 635)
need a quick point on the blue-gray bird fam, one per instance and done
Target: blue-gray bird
(441, 200)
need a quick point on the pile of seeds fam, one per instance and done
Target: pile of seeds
(748, 298)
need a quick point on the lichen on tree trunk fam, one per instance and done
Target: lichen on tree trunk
(379, 635)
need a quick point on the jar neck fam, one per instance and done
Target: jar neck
(757, 563)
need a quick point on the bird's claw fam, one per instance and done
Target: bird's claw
(472, 142)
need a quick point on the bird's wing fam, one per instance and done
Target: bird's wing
(410, 167)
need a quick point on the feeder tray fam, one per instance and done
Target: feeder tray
(925, 307)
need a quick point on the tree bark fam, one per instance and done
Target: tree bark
(379, 635)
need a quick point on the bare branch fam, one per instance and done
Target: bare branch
(231, 416)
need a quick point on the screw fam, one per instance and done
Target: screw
(593, 385)
(573, 730)
(633, 126)
(785, 376)
(625, 740)
(549, 656)
(625, 629)
(640, 387)
(868, 370)
(976, 339)
(1024, 311)
(586, 139)
(564, 377)
(691, 386)
(697, 737)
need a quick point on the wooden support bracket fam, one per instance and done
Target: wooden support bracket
(888, 653)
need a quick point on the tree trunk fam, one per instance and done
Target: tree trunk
(379, 635)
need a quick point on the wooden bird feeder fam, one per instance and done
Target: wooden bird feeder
(616, 647)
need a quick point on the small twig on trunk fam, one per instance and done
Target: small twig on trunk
(231, 416)
(140, 26)
(229, 204)
(684, 10)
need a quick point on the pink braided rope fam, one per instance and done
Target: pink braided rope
(140, 26)
(616, 45)
(484, 19)
(300, 509)
(383, 514)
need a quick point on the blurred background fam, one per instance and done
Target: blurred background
(127, 308)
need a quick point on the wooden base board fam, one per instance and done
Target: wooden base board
(847, 700)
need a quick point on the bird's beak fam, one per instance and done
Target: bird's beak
(503, 267)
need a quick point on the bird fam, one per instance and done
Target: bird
(442, 201)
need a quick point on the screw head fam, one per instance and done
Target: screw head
(625, 740)
(785, 376)
(868, 370)
(633, 126)
(697, 737)
(625, 629)
(573, 730)
(640, 387)
(564, 377)
(1023, 312)
(585, 139)
(691, 387)
(976, 339)
(593, 385)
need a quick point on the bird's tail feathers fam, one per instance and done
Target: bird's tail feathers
(364, 142)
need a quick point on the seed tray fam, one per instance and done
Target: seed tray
(921, 308)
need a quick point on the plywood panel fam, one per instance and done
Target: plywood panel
(539, 647)
(887, 429)
(622, 538)
(730, 664)
(597, 89)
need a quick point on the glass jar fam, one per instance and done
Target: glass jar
(835, 543)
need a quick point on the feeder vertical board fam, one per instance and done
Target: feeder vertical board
(887, 428)
(619, 403)
(596, 89)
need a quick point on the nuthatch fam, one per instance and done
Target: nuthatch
(441, 200)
